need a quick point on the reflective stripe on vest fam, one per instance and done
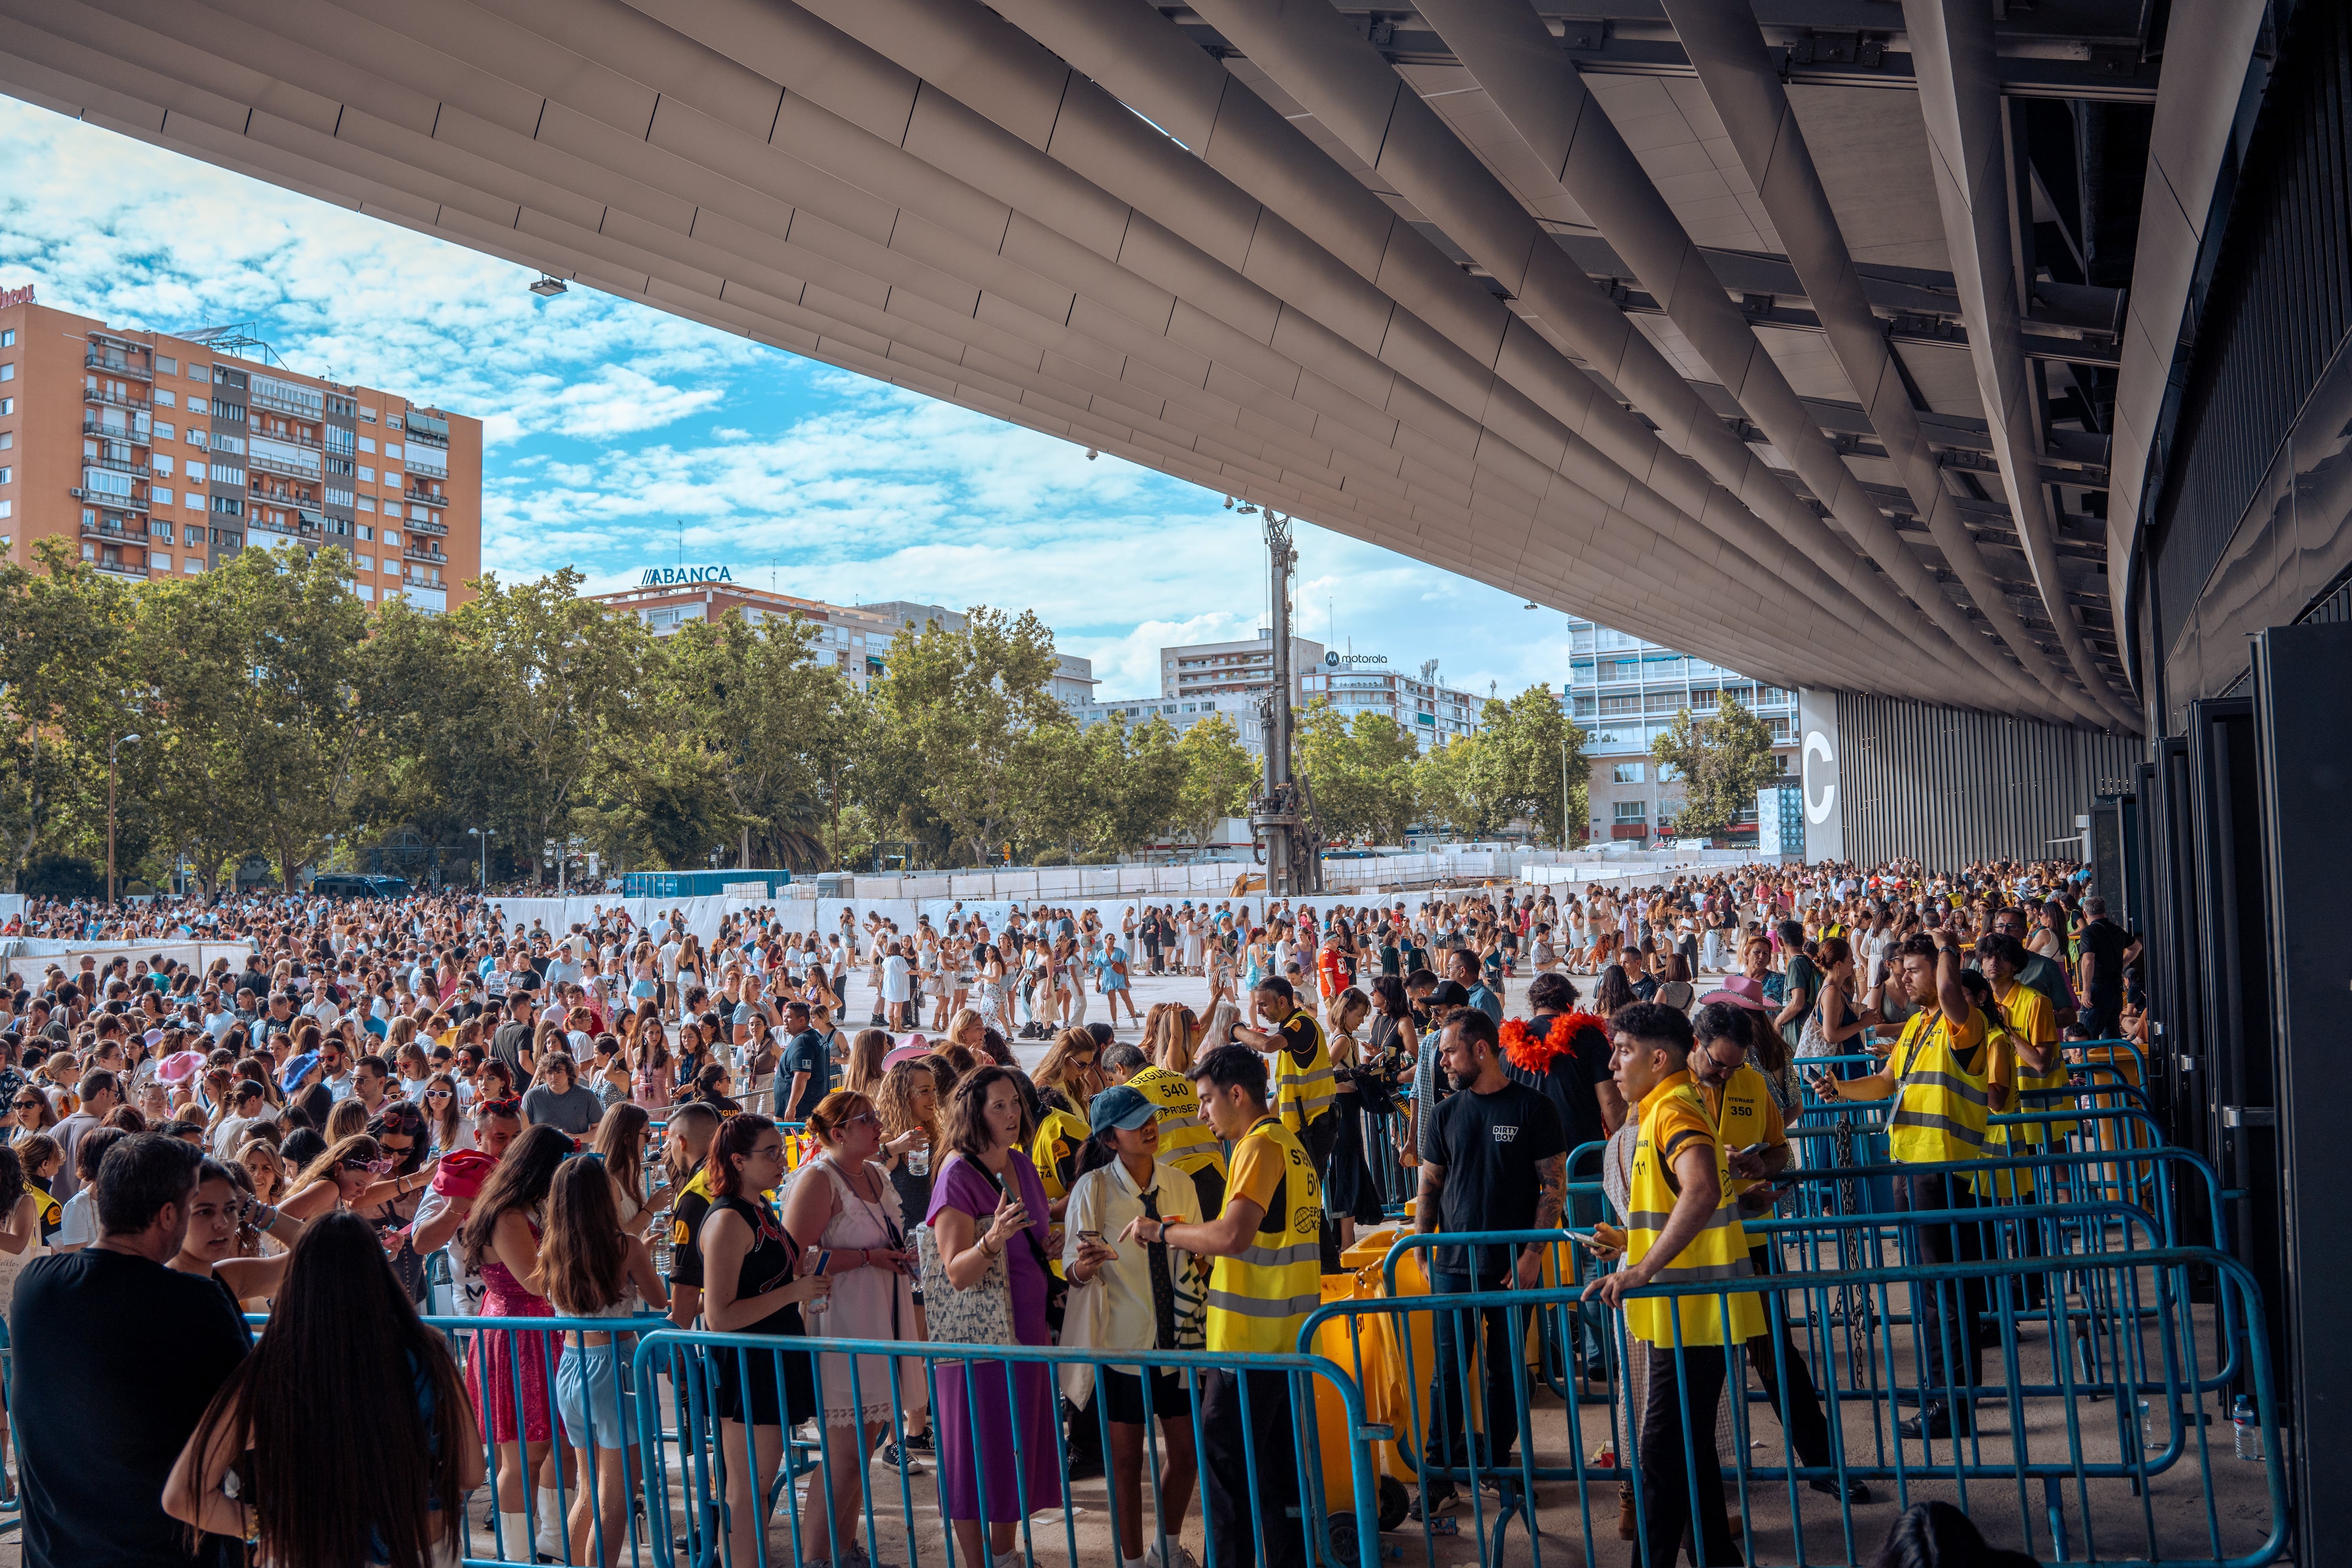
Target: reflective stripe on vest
(1186, 1143)
(1301, 1094)
(1719, 1252)
(1940, 1108)
(1744, 1099)
(1259, 1300)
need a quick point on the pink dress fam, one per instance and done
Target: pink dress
(503, 1358)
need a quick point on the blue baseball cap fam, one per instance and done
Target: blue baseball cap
(1120, 1108)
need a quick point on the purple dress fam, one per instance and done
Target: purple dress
(978, 1426)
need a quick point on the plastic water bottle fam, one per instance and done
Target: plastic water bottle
(2250, 1428)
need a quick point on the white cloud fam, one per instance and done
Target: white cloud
(608, 424)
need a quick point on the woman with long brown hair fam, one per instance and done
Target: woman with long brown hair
(499, 1241)
(620, 1141)
(347, 1384)
(752, 1287)
(864, 1074)
(590, 1268)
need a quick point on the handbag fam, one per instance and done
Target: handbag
(1057, 1287)
(982, 1315)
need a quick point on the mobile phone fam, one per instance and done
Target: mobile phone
(1090, 1236)
(823, 1262)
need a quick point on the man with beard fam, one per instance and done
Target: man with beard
(1498, 1161)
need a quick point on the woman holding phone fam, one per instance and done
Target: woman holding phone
(849, 1220)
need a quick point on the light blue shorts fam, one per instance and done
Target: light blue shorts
(591, 1385)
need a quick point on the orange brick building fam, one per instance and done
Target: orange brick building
(166, 455)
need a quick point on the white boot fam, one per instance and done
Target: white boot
(552, 1537)
(514, 1534)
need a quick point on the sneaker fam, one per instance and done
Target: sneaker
(896, 1456)
(1179, 1556)
(1433, 1503)
(918, 1442)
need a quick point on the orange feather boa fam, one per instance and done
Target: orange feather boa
(1533, 1053)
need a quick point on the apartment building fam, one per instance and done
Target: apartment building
(164, 454)
(1241, 712)
(854, 639)
(1622, 694)
(1431, 713)
(1241, 668)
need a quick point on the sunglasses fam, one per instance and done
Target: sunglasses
(436, 1094)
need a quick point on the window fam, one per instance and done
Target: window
(7, 439)
(1629, 772)
(366, 563)
(199, 372)
(192, 564)
(391, 448)
(199, 406)
(166, 365)
(7, 405)
(164, 430)
(367, 473)
(162, 465)
(1632, 810)
(367, 533)
(159, 562)
(367, 444)
(158, 495)
(195, 473)
(7, 509)
(164, 398)
(365, 503)
(195, 536)
(391, 537)
(8, 338)
(367, 416)
(8, 371)
(228, 506)
(367, 591)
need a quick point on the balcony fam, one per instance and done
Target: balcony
(118, 465)
(117, 364)
(429, 429)
(430, 497)
(422, 525)
(299, 408)
(135, 435)
(122, 569)
(279, 466)
(102, 529)
(291, 438)
(104, 395)
(421, 550)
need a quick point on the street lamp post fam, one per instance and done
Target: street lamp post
(484, 835)
(111, 746)
(1563, 791)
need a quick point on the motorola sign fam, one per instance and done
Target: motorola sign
(667, 577)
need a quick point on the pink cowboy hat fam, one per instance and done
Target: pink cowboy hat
(1740, 991)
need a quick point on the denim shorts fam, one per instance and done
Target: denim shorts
(590, 1386)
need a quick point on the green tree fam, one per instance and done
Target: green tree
(1218, 775)
(782, 721)
(63, 628)
(260, 669)
(670, 800)
(1724, 758)
(1362, 772)
(972, 705)
(1532, 748)
(1150, 786)
(1465, 784)
(537, 684)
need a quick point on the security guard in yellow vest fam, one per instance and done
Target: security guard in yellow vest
(1307, 1089)
(1682, 1227)
(1937, 1080)
(1264, 1280)
(1756, 1148)
(1185, 1141)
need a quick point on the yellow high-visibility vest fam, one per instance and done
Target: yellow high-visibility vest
(1940, 1107)
(1259, 1299)
(1301, 1094)
(1186, 1143)
(1742, 1121)
(1719, 1252)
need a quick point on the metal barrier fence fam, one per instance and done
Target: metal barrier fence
(2103, 1459)
(744, 1451)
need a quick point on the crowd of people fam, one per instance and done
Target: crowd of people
(382, 1085)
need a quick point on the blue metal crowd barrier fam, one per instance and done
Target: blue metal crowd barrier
(2087, 1444)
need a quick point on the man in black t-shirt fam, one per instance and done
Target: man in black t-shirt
(807, 1067)
(1573, 1073)
(1496, 1161)
(97, 1430)
(2104, 944)
(511, 1044)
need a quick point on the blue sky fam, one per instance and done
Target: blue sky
(608, 424)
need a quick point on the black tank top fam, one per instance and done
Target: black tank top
(767, 1266)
